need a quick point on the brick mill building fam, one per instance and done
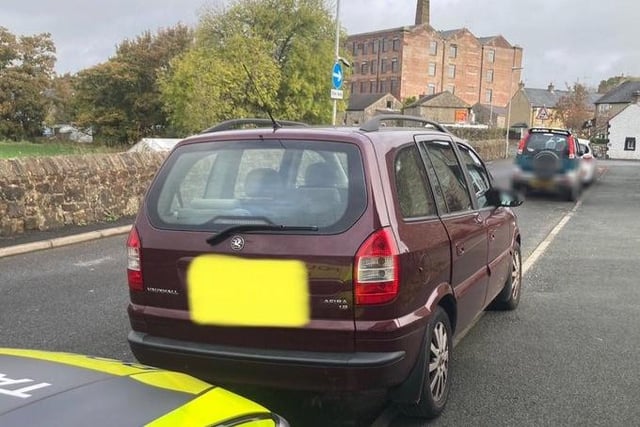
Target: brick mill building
(418, 60)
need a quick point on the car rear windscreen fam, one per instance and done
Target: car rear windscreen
(546, 141)
(211, 185)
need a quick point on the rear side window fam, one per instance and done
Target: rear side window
(414, 196)
(208, 186)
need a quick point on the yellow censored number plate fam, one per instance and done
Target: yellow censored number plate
(232, 291)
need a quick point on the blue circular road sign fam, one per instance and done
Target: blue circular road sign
(337, 76)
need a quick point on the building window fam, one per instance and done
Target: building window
(433, 47)
(452, 71)
(630, 143)
(432, 69)
(383, 86)
(603, 108)
(451, 89)
(394, 65)
(453, 51)
(364, 67)
(374, 46)
(431, 89)
(490, 76)
(396, 45)
(372, 87)
(361, 48)
(384, 45)
(353, 87)
(488, 96)
(394, 86)
(354, 49)
(374, 66)
(363, 87)
(491, 55)
(389, 105)
(383, 65)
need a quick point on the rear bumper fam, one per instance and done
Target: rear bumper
(558, 182)
(273, 368)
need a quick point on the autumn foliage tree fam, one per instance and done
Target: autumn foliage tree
(120, 98)
(287, 47)
(26, 70)
(573, 109)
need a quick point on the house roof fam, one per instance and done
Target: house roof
(498, 111)
(445, 99)
(497, 40)
(358, 102)
(547, 98)
(621, 94)
(447, 34)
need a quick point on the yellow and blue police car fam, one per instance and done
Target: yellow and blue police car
(63, 389)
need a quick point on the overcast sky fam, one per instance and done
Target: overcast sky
(564, 41)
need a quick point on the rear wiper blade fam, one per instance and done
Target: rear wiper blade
(244, 228)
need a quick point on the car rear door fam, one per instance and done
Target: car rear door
(465, 225)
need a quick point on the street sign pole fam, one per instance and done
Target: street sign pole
(337, 57)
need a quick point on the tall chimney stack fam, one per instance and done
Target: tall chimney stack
(422, 12)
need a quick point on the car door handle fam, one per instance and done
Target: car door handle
(459, 249)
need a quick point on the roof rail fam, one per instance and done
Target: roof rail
(373, 124)
(258, 122)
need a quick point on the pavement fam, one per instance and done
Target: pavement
(39, 240)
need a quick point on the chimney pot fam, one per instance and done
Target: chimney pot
(551, 88)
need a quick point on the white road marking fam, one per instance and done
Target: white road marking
(93, 262)
(542, 247)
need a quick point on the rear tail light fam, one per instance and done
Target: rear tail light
(521, 145)
(572, 148)
(376, 274)
(134, 269)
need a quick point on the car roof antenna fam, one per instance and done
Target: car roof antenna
(276, 125)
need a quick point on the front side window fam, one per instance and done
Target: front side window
(448, 172)
(478, 174)
(210, 186)
(414, 196)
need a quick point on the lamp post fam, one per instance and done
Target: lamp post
(506, 138)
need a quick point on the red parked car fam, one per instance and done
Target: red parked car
(400, 236)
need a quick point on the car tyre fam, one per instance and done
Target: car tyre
(509, 297)
(573, 193)
(436, 384)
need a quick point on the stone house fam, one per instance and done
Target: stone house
(443, 107)
(614, 101)
(490, 115)
(363, 107)
(532, 107)
(624, 133)
(414, 60)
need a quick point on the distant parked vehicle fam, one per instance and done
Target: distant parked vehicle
(587, 162)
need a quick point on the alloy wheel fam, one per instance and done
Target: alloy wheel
(438, 361)
(515, 275)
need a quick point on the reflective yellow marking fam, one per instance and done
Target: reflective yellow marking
(226, 290)
(108, 366)
(174, 381)
(212, 407)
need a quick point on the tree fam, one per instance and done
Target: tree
(26, 69)
(573, 109)
(120, 98)
(606, 85)
(287, 47)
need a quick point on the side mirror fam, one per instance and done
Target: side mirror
(507, 198)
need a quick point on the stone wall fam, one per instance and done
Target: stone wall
(493, 149)
(45, 193)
